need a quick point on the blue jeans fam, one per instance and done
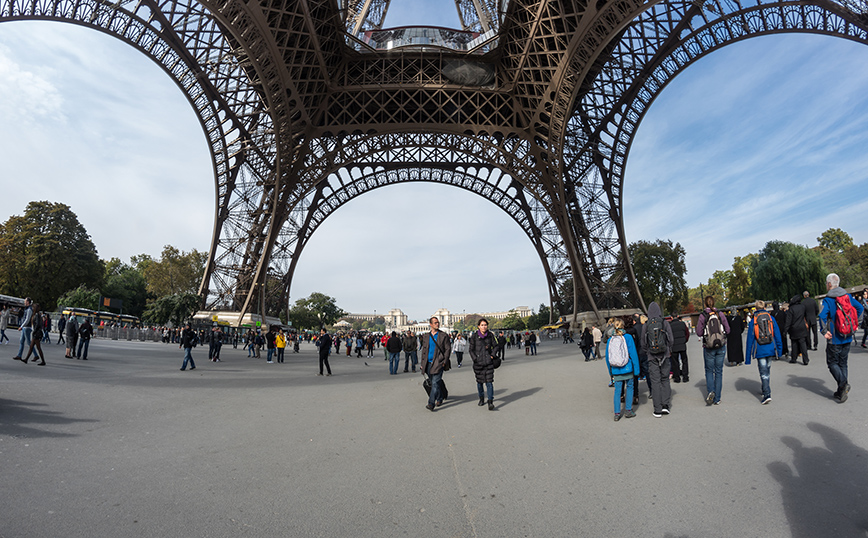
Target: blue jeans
(3, 336)
(270, 354)
(489, 388)
(765, 371)
(836, 359)
(394, 361)
(435, 388)
(24, 340)
(533, 348)
(188, 356)
(83, 342)
(410, 357)
(628, 397)
(714, 370)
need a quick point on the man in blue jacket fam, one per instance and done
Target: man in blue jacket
(837, 345)
(764, 353)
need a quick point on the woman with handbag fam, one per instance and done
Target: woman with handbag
(484, 353)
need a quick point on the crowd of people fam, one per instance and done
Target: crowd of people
(35, 327)
(653, 347)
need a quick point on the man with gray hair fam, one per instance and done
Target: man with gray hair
(838, 337)
(811, 311)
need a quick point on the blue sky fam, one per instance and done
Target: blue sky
(761, 140)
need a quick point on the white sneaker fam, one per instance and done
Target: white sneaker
(767, 400)
(270, 362)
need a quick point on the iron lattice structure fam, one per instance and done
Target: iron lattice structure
(537, 115)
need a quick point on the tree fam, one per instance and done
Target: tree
(45, 253)
(127, 283)
(80, 297)
(511, 321)
(176, 273)
(541, 318)
(739, 282)
(659, 268)
(171, 308)
(315, 311)
(835, 239)
(783, 270)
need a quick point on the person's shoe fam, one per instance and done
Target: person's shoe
(665, 411)
(792, 361)
(319, 374)
(655, 414)
(429, 407)
(611, 383)
(41, 363)
(328, 374)
(405, 370)
(843, 397)
(767, 400)
(805, 360)
(269, 362)
(635, 400)
(863, 345)
(439, 403)
(192, 367)
(685, 379)
(481, 402)
(710, 398)
(676, 380)
(717, 402)
(847, 389)
(182, 369)
(617, 417)
(16, 358)
(629, 413)
(459, 365)
(491, 405)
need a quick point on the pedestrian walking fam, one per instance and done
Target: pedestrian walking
(85, 332)
(436, 348)
(838, 319)
(712, 327)
(71, 337)
(37, 324)
(325, 347)
(393, 347)
(188, 342)
(622, 361)
(657, 342)
(459, 346)
(24, 328)
(484, 353)
(763, 343)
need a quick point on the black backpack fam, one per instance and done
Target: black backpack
(655, 337)
(763, 330)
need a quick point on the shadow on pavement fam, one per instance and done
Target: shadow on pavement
(823, 492)
(14, 415)
(513, 396)
(751, 386)
(811, 384)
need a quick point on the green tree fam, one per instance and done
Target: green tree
(541, 318)
(80, 297)
(783, 269)
(739, 282)
(835, 239)
(511, 321)
(659, 268)
(175, 273)
(174, 308)
(127, 283)
(325, 308)
(46, 252)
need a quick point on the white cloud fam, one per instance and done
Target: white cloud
(27, 95)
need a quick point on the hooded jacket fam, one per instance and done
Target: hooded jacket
(654, 311)
(796, 324)
(830, 310)
(632, 366)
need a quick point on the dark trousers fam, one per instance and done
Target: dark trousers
(324, 359)
(814, 332)
(837, 356)
(799, 345)
(658, 378)
(680, 369)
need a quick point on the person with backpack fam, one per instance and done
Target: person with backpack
(622, 360)
(657, 342)
(37, 324)
(764, 343)
(484, 350)
(839, 321)
(712, 327)
(85, 332)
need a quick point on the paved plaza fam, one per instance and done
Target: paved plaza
(125, 444)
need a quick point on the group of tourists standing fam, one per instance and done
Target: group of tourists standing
(664, 345)
(33, 326)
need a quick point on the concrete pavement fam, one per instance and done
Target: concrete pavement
(127, 445)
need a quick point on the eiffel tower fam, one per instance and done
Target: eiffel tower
(531, 104)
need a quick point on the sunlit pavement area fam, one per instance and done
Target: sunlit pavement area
(125, 444)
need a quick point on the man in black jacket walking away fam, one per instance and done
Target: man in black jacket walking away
(325, 347)
(811, 312)
(797, 328)
(680, 336)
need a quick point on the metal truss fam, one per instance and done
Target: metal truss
(301, 116)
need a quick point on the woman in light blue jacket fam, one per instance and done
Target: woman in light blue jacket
(622, 360)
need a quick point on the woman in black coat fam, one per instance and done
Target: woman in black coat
(482, 348)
